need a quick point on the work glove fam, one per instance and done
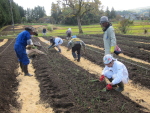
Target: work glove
(102, 78)
(33, 47)
(109, 87)
(112, 49)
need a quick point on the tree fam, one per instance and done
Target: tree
(107, 12)
(78, 8)
(56, 13)
(112, 13)
(5, 16)
(33, 15)
(124, 25)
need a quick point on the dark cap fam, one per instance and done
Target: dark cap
(32, 29)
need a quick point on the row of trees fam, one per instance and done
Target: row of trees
(19, 14)
(74, 12)
(5, 12)
(90, 12)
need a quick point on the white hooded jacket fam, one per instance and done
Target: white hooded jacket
(118, 72)
(58, 41)
(109, 39)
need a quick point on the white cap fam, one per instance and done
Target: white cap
(69, 29)
(104, 19)
(108, 58)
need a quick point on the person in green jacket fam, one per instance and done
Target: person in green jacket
(109, 37)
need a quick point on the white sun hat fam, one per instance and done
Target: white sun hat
(108, 58)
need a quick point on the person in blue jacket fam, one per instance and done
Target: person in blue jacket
(23, 39)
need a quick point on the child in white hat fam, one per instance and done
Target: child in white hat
(116, 72)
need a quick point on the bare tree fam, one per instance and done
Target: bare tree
(79, 8)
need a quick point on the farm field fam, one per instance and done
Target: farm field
(66, 85)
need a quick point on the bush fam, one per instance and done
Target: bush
(50, 27)
(124, 25)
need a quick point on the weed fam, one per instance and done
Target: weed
(122, 108)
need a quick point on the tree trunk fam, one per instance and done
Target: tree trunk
(79, 25)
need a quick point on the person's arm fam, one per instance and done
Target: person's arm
(118, 77)
(29, 42)
(69, 45)
(112, 36)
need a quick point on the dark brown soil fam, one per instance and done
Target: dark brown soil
(138, 72)
(8, 82)
(65, 86)
(68, 89)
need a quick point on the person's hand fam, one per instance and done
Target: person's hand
(102, 78)
(109, 87)
(112, 49)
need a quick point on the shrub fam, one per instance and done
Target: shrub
(124, 25)
(50, 27)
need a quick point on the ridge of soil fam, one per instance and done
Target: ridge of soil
(74, 80)
(133, 91)
(8, 82)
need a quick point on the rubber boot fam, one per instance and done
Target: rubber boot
(26, 73)
(74, 56)
(121, 87)
(21, 65)
(78, 57)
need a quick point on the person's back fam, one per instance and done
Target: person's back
(22, 38)
(44, 30)
(58, 40)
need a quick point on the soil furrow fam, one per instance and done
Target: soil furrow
(129, 90)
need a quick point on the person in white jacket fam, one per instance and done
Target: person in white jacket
(109, 37)
(116, 72)
(56, 42)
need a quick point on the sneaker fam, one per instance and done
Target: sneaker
(28, 74)
(119, 89)
(78, 60)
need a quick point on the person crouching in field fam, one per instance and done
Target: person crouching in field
(116, 72)
(68, 33)
(22, 40)
(56, 42)
(76, 43)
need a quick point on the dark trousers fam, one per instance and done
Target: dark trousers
(76, 48)
(119, 84)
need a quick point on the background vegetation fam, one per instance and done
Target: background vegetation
(71, 14)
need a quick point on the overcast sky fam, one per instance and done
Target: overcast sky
(116, 4)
